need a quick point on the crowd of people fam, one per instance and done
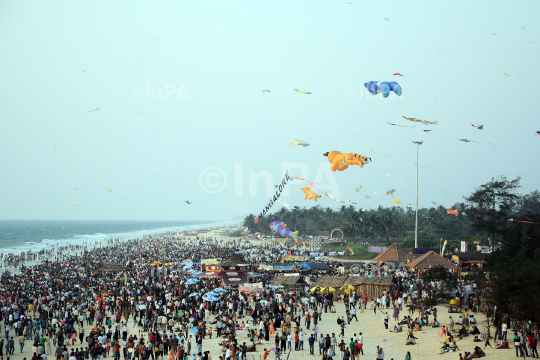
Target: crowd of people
(68, 309)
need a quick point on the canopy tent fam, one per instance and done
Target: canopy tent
(314, 266)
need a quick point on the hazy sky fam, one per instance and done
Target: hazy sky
(62, 59)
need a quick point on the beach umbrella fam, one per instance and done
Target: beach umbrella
(211, 293)
(192, 281)
(213, 298)
(220, 290)
(194, 294)
(347, 288)
(316, 288)
(331, 289)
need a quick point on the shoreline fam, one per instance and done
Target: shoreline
(99, 238)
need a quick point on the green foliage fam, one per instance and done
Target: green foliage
(491, 204)
(515, 271)
(382, 226)
(447, 280)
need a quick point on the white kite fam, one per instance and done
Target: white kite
(295, 142)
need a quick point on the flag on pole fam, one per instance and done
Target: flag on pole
(444, 247)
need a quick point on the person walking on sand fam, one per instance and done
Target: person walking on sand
(386, 318)
(487, 341)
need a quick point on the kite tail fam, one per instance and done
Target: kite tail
(294, 235)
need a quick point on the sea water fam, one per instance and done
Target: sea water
(18, 236)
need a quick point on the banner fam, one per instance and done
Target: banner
(294, 258)
(205, 262)
(341, 253)
(376, 249)
(332, 253)
(276, 196)
(444, 247)
(463, 247)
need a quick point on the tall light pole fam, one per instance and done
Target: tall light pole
(418, 143)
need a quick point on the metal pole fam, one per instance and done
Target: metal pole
(416, 221)
(418, 143)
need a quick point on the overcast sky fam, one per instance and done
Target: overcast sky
(211, 60)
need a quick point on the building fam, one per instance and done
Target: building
(429, 260)
(371, 286)
(289, 281)
(231, 271)
(394, 253)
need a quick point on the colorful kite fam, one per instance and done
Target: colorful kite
(383, 87)
(295, 142)
(443, 191)
(332, 197)
(302, 91)
(398, 74)
(397, 201)
(390, 192)
(385, 19)
(93, 110)
(400, 125)
(360, 189)
(427, 130)
(312, 195)
(265, 90)
(409, 206)
(453, 212)
(525, 222)
(479, 127)
(467, 140)
(342, 161)
(427, 217)
(280, 228)
(506, 74)
(434, 203)
(110, 190)
(537, 133)
(425, 122)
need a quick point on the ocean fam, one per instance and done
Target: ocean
(17, 236)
